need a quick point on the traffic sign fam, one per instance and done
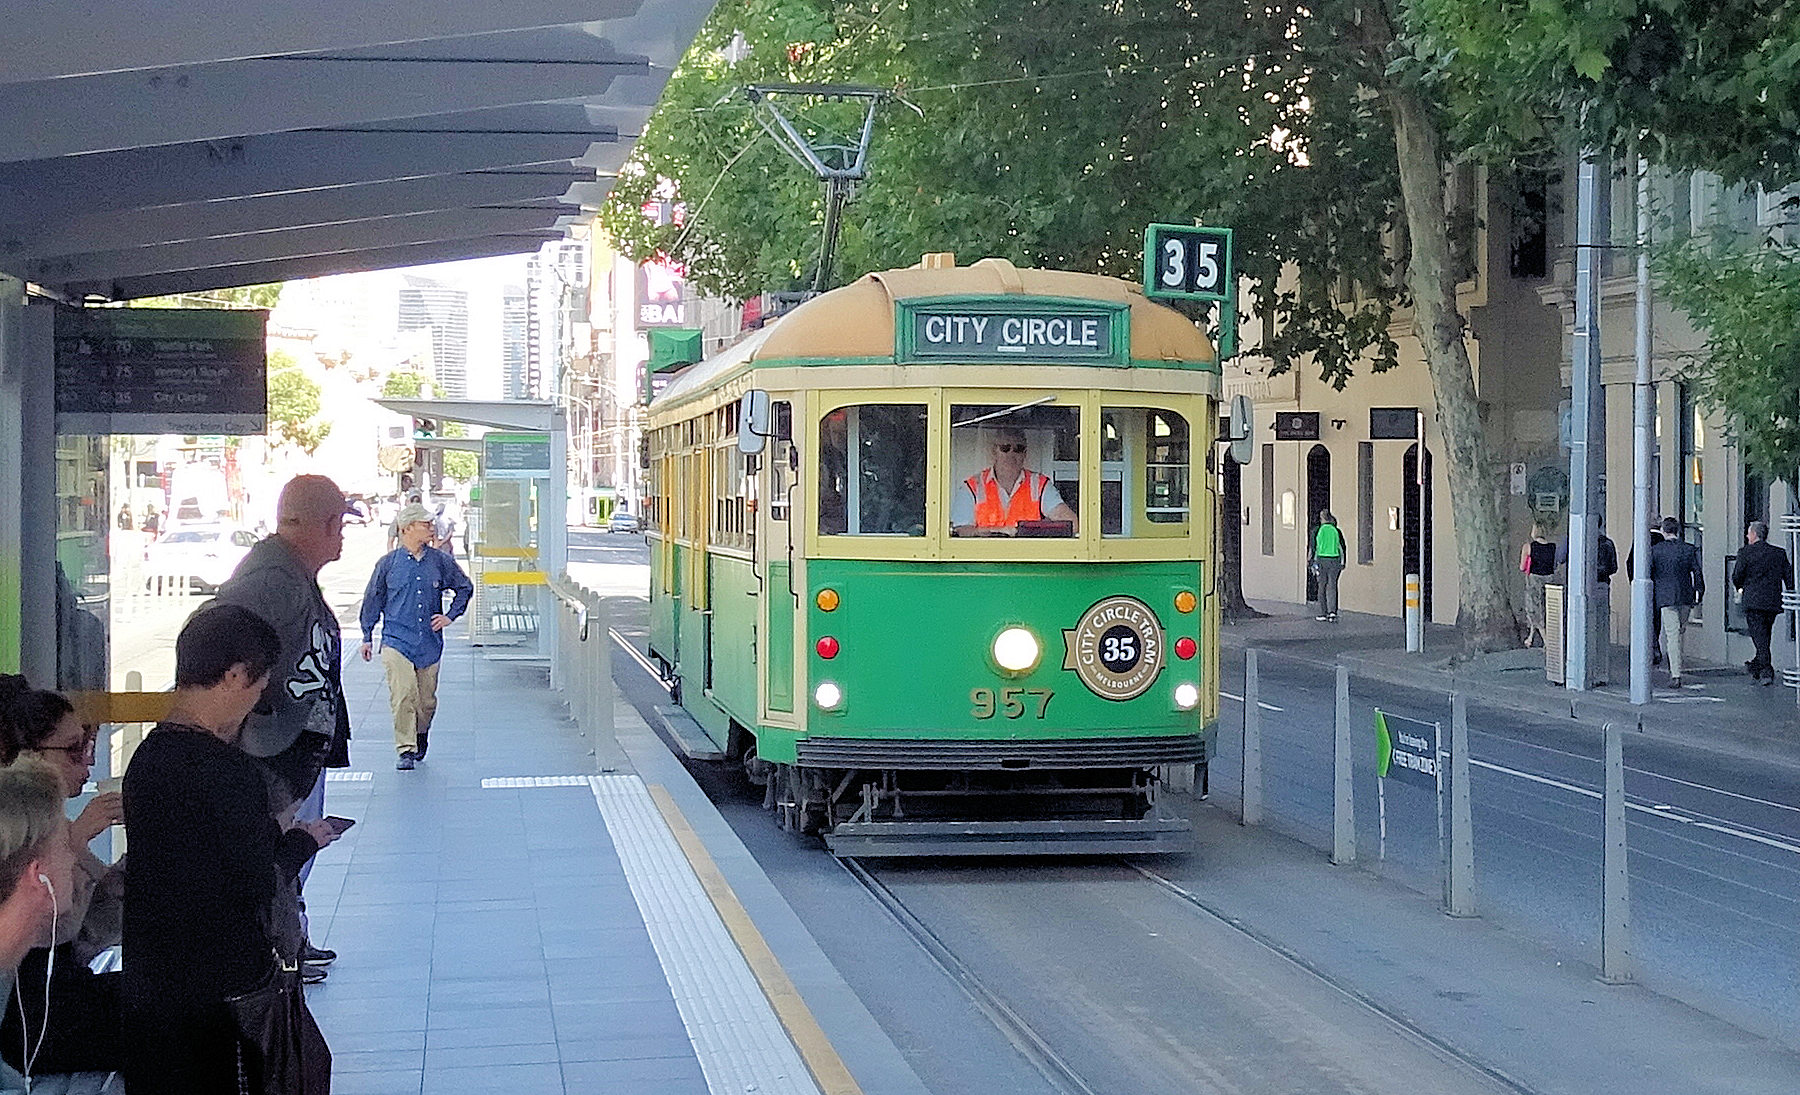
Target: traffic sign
(1409, 755)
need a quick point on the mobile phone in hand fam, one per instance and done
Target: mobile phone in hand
(339, 824)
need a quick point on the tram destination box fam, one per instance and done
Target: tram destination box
(1042, 331)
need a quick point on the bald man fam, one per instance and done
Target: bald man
(301, 726)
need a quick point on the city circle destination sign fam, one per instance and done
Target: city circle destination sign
(1041, 331)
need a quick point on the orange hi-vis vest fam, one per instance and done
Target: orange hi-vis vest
(1024, 505)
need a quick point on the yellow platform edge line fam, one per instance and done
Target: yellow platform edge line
(821, 1057)
(513, 578)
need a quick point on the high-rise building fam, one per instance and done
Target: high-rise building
(556, 282)
(428, 304)
(522, 382)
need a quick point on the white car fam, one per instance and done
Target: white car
(205, 554)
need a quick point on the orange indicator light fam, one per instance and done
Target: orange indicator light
(1184, 601)
(827, 600)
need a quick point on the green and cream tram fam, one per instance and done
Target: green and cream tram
(960, 595)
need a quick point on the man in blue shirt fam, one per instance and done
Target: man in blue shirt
(406, 596)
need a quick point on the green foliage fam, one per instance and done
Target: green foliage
(461, 466)
(1745, 300)
(1046, 133)
(1715, 85)
(294, 404)
(243, 296)
(402, 386)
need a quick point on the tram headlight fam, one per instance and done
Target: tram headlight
(828, 696)
(1187, 695)
(1017, 650)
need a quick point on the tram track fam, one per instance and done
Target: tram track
(1064, 1077)
(1337, 984)
(1032, 1046)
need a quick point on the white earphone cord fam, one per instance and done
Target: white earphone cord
(29, 1054)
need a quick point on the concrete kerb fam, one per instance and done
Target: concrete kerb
(1584, 710)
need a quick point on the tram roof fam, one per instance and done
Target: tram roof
(855, 323)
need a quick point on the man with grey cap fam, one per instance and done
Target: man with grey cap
(406, 597)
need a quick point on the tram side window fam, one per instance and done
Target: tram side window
(872, 470)
(1144, 472)
(1014, 471)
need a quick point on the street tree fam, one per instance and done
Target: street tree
(1051, 133)
(1709, 86)
(294, 405)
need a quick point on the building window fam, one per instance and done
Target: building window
(1365, 502)
(1692, 486)
(1268, 499)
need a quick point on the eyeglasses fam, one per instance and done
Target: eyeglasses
(1009, 448)
(82, 750)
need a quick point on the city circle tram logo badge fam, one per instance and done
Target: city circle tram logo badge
(1116, 649)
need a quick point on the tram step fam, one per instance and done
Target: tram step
(1041, 837)
(688, 736)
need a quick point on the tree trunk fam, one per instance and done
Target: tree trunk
(1484, 614)
(1231, 545)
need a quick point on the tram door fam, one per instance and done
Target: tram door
(1415, 543)
(1318, 499)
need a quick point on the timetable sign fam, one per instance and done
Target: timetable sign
(1186, 262)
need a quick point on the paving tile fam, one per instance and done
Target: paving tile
(377, 1060)
(378, 1083)
(641, 1076)
(531, 1079)
(470, 1056)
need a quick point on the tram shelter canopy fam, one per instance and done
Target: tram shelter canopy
(197, 144)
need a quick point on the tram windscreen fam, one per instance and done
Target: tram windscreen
(872, 470)
(1144, 470)
(1014, 471)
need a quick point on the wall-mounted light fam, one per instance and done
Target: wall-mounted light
(1338, 423)
(1394, 518)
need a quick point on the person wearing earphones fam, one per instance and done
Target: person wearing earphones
(205, 918)
(42, 725)
(994, 500)
(37, 865)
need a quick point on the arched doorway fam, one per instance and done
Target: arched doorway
(1415, 549)
(1318, 499)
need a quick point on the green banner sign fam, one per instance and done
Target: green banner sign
(1408, 754)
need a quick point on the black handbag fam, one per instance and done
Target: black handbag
(280, 1047)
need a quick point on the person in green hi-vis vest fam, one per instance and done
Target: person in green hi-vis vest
(1327, 563)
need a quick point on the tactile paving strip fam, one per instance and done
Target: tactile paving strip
(533, 781)
(740, 1043)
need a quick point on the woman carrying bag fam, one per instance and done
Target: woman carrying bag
(208, 859)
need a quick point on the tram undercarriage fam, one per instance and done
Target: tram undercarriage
(911, 812)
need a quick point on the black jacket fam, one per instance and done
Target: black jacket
(1761, 570)
(1676, 574)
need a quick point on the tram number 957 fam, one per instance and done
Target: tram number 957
(984, 703)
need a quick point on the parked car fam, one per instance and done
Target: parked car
(205, 554)
(621, 521)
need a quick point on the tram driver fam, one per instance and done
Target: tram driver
(1000, 497)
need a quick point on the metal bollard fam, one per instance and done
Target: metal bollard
(1460, 886)
(1415, 622)
(1343, 799)
(1615, 874)
(1250, 803)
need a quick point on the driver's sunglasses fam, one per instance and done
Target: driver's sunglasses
(1009, 448)
(84, 750)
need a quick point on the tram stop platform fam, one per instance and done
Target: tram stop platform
(534, 911)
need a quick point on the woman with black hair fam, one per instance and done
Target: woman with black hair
(82, 1032)
(208, 863)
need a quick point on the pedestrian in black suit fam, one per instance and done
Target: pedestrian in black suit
(1680, 585)
(1762, 570)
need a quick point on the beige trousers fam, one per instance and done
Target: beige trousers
(412, 692)
(1674, 621)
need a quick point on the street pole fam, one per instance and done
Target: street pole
(1643, 394)
(1587, 428)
